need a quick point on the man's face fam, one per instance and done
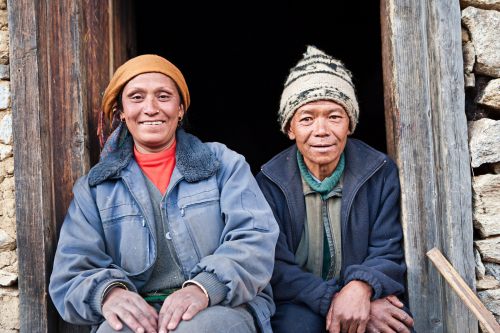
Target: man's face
(320, 131)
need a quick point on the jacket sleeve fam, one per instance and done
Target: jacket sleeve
(82, 270)
(383, 267)
(290, 282)
(244, 259)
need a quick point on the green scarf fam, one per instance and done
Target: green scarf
(327, 185)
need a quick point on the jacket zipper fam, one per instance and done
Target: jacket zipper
(349, 205)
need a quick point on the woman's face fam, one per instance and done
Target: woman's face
(151, 109)
(320, 131)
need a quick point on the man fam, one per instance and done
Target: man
(339, 262)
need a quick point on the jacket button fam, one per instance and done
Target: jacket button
(168, 235)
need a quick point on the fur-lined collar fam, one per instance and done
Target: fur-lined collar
(194, 159)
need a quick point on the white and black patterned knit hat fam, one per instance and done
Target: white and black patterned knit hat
(318, 76)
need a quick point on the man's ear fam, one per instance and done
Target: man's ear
(291, 135)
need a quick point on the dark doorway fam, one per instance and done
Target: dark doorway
(236, 56)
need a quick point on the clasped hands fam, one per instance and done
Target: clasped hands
(352, 312)
(126, 307)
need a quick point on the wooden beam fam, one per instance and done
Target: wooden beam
(463, 291)
(33, 158)
(427, 136)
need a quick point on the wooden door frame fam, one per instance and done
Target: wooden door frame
(427, 137)
(62, 54)
(56, 92)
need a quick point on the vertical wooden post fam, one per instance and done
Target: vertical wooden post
(59, 60)
(427, 136)
(33, 159)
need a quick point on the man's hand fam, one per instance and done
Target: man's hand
(183, 304)
(350, 308)
(126, 307)
(387, 316)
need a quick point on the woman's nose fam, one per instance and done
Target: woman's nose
(150, 107)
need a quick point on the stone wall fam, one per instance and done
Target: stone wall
(9, 294)
(481, 47)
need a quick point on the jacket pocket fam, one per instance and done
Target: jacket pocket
(201, 215)
(127, 237)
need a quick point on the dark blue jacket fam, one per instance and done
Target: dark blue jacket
(371, 231)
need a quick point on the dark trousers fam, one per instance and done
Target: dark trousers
(291, 318)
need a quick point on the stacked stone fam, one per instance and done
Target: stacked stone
(481, 47)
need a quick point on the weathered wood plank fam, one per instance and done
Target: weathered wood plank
(36, 234)
(60, 59)
(458, 284)
(425, 114)
(96, 56)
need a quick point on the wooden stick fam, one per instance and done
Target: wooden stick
(464, 292)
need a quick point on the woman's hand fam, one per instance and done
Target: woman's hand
(387, 316)
(350, 309)
(126, 307)
(184, 304)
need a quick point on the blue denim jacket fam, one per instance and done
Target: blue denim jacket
(219, 221)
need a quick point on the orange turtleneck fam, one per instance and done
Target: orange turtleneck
(158, 167)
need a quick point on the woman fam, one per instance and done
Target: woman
(165, 233)
(337, 203)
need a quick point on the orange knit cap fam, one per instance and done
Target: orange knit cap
(147, 63)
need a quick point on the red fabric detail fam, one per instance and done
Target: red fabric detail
(158, 167)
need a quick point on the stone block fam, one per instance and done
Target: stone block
(492, 269)
(491, 299)
(9, 308)
(8, 258)
(483, 26)
(7, 243)
(4, 47)
(7, 279)
(4, 20)
(4, 95)
(488, 282)
(480, 269)
(484, 141)
(486, 204)
(5, 152)
(6, 129)
(490, 96)
(489, 249)
(4, 72)
(484, 4)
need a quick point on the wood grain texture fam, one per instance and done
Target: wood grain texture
(32, 155)
(59, 68)
(463, 291)
(427, 136)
